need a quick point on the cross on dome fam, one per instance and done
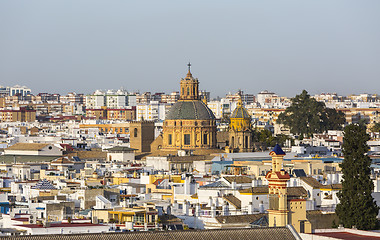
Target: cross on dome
(189, 73)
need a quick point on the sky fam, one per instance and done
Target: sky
(59, 46)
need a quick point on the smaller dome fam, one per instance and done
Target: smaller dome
(240, 112)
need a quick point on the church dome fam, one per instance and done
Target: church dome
(240, 112)
(194, 109)
(240, 120)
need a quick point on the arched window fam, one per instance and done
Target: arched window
(188, 91)
(135, 132)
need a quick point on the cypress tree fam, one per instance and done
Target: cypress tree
(357, 207)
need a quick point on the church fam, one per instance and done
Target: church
(190, 124)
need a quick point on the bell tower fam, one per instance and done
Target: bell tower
(189, 87)
(277, 182)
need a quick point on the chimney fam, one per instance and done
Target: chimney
(213, 211)
(186, 185)
(169, 210)
(261, 207)
(197, 210)
(175, 205)
(225, 208)
(250, 208)
(186, 208)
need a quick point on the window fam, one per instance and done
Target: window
(139, 218)
(186, 139)
(188, 91)
(135, 132)
(170, 140)
(205, 138)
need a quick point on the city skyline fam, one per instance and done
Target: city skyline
(319, 46)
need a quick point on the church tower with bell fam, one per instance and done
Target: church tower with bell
(277, 184)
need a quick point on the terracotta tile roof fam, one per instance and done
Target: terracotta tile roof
(217, 234)
(238, 179)
(121, 149)
(296, 192)
(293, 192)
(233, 200)
(62, 160)
(246, 218)
(27, 146)
(60, 225)
(312, 182)
(332, 186)
(255, 190)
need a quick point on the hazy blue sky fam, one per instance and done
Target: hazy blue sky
(282, 46)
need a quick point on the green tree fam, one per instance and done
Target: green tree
(375, 127)
(266, 136)
(334, 120)
(306, 116)
(356, 207)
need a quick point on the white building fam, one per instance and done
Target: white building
(18, 90)
(121, 153)
(110, 99)
(33, 149)
(96, 100)
(261, 96)
(222, 108)
(153, 111)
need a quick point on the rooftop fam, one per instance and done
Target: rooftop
(283, 233)
(27, 146)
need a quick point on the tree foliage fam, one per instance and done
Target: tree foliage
(375, 127)
(307, 116)
(356, 207)
(266, 136)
